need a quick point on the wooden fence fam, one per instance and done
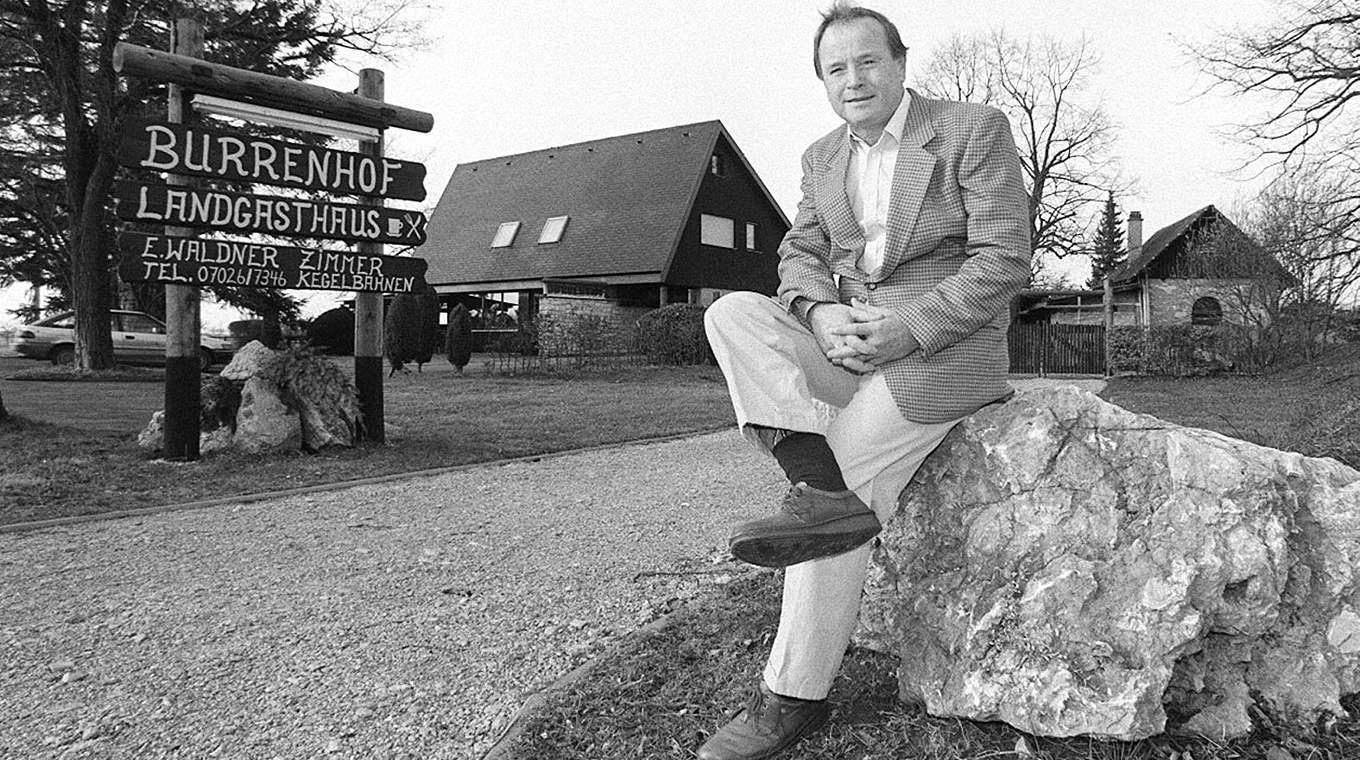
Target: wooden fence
(1057, 349)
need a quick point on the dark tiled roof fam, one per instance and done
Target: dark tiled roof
(627, 197)
(1156, 244)
(1178, 238)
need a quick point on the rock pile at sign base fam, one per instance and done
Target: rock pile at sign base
(310, 407)
(1072, 568)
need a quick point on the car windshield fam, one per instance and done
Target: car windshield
(66, 320)
(141, 323)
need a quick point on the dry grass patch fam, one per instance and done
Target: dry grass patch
(663, 693)
(434, 419)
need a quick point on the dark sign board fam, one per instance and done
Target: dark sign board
(198, 261)
(268, 214)
(180, 149)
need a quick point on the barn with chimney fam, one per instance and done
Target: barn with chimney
(1200, 270)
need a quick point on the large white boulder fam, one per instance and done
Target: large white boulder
(323, 412)
(264, 422)
(1069, 567)
(247, 361)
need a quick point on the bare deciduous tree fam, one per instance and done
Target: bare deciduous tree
(1306, 63)
(1065, 137)
(1296, 264)
(1309, 219)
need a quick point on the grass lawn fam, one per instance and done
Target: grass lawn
(1315, 410)
(434, 419)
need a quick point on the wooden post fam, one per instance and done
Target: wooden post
(182, 301)
(368, 307)
(1108, 303)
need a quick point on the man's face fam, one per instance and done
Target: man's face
(863, 81)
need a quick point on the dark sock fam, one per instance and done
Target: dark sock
(798, 699)
(806, 458)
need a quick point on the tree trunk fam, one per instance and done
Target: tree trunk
(89, 177)
(88, 186)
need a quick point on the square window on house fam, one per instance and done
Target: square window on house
(750, 237)
(552, 230)
(505, 235)
(715, 165)
(716, 230)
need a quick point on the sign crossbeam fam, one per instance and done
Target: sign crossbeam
(243, 84)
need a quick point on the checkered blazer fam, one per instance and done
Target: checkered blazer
(957, 250)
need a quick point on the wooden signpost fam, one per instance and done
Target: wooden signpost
(184, 262)
(183, 397)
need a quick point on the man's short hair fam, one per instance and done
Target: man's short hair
(841, 12)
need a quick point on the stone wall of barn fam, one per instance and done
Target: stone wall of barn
(1172, 302)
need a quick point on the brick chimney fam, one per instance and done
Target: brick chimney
(1135, 233)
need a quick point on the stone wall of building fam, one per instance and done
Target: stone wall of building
(1171, 301)
(571, 326)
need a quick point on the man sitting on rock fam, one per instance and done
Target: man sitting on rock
(895, 283)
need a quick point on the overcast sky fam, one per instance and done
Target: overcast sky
(519, 75)
(509, 76)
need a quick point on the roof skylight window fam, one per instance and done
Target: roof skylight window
(553, 229)
(505, 235)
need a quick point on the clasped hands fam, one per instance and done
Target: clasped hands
(860, 337)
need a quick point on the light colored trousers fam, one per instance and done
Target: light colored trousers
(778, 377)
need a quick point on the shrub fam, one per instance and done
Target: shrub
(1182, 350)
(243, 331)
(219, 400)
(299, 373)
(332, 332)
(674, 334)
(411, 328)
(458, 337)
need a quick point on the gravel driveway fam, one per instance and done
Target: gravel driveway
(402, 620)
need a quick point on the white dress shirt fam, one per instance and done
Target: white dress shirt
(868, 182)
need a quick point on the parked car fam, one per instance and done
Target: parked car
(138, 338)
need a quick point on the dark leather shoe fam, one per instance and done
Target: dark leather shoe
(810, 523)
(768, 725)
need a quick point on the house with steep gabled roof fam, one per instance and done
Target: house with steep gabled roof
(610, 228)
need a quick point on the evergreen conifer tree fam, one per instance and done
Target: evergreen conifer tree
(1107, 249)
(427, 325)
(401, 331)
(458, 340)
